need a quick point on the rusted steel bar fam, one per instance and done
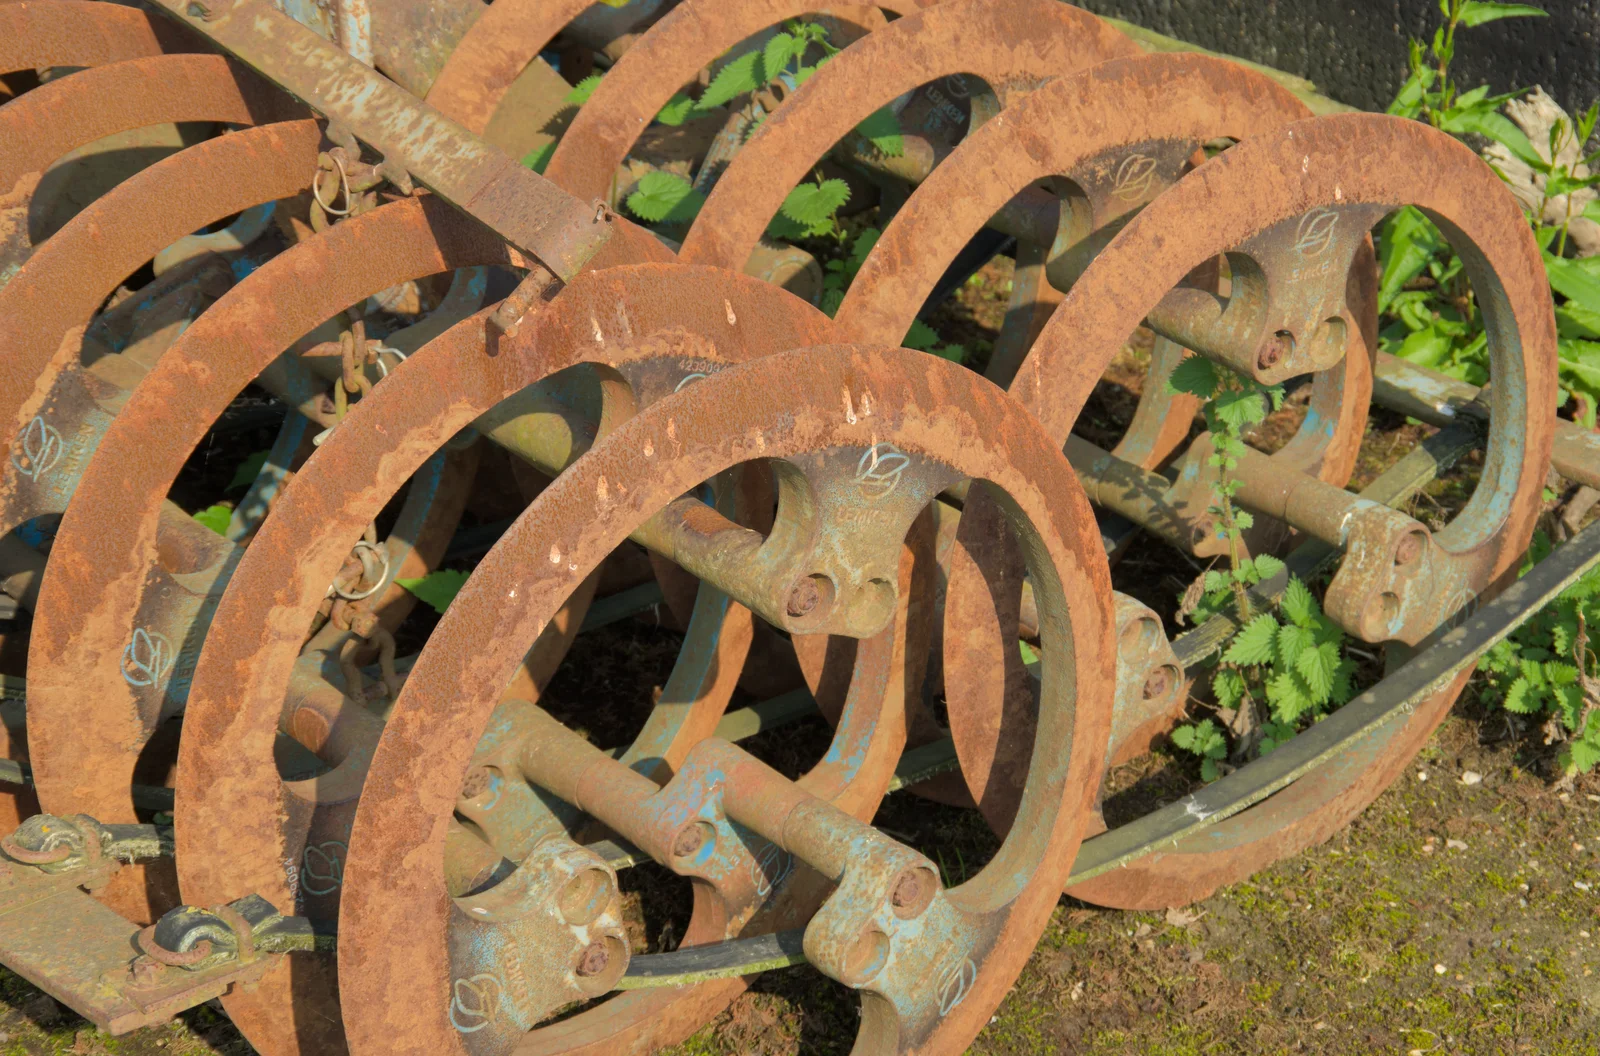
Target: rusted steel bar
(42, 33)
(416, 141)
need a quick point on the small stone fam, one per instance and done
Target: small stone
(1577, 847)
(1439, 969)
(1077, 991)
(1583, 934)
(1422, 775)
(1471, 777)
(1580, 885)
(1456, 845)
(1427, 848)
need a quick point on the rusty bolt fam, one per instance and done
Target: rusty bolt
(690, 839)
(1157, 685)
(907, 890)
(803, 598)
(593, 960)
(1409, 550)
(1273, 350)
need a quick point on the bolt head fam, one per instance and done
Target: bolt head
(689, 840)
(593, 960)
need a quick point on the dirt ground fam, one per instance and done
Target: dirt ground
(1455, 916)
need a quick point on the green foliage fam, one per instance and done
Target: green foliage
(1431, 313)
(216, 518)
(539, 157)
(811, 211)
(841, 272)
(665, 198)
(1206, 740)
(925, 338)
(584, 89)
(882, 128)
(437, 589)
(247, 472)
(1548, 669)
(1290, 662)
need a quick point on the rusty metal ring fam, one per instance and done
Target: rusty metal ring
(172, 958)
(443, 387)
(1288, 172)
(59, 853)
(935, 411)
(83, 33)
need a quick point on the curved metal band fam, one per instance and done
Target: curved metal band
(40, 33)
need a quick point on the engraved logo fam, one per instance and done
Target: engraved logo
(1134, 176)
(770, 869)
(878, 472)
(1314, 235)
(37, 450)
(322, 868)
(475, 1002)
(147, 659)
(954, 985)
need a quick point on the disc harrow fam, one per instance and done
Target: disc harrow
(246, 773)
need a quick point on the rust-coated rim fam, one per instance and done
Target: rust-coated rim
(643, 80)
(1017, 43)
(40, 33)
(1276, 175)
(237, 696)
(61, 116)
(774, 407)
(1174, 101)
(69, 277)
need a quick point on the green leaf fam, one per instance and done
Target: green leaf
(216, 518)
(678, 109)
(437, 589)
(883, 129)
(1592, 211)
(1576, 280)
(1209, 771)
(1580, 756)
(1196, 375)
(1298, 604)
(1484, 121)
(1028, 654)
(1267, 566)
(248, 471)
(1253, 644)
(1408, 242)
(665, 198)
(736, 78)
(921, 337)
(1478, 12)
(1576, 320)
(1238, 408)
(776, 55)
(1288, 697)
(1228, 685)
(1408, 101)
(954, 353)
(583, 89)
(813, 204)
(1318, 667)
(1293, 642)
(1519, 697)
(538, 158)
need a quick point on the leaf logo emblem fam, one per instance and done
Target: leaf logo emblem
(322, 869)
(475, 1002)
(37, 450)
(1314, 235)
(770, 869)
(955, 984)
(1134, 177)
(878, 472)
(147, 658)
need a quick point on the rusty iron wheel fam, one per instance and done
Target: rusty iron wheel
(682, 318)
(946, 424)
(1313, 167)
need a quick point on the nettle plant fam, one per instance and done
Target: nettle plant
(1433, 318)
(810, 211)
(1549, 669)
(1285, 665)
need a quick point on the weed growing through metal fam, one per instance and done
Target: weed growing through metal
(1549, 669)
(1282, 667)
(1433, 316)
